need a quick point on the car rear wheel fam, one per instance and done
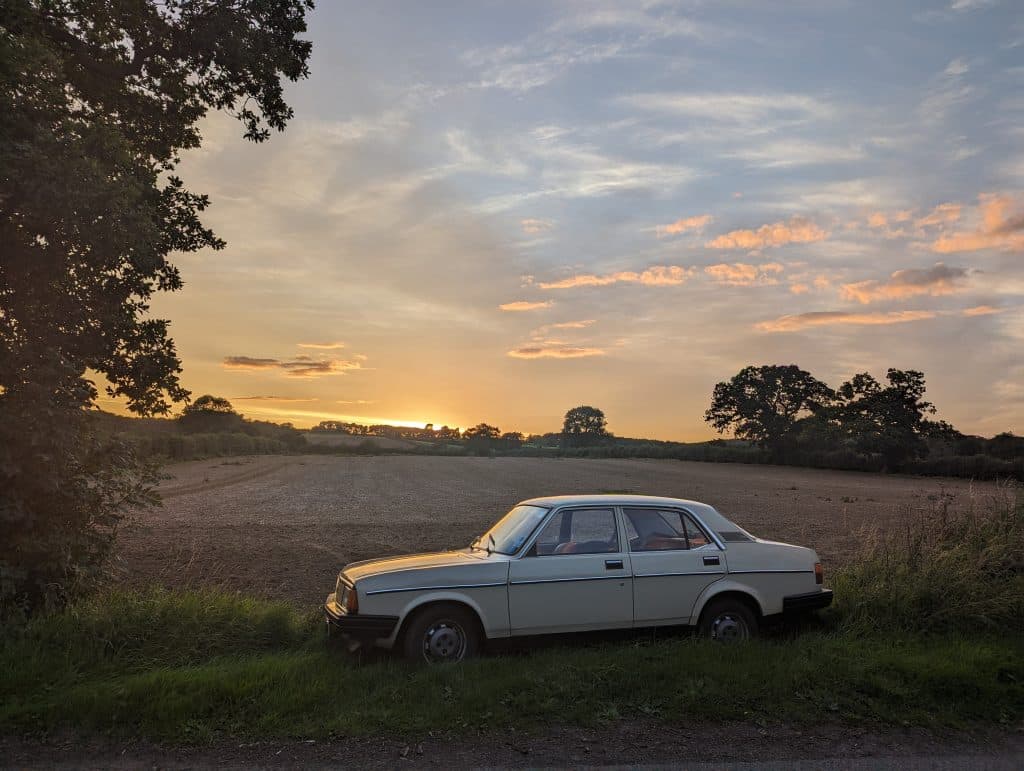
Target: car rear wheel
(728, 621)
(442, 634)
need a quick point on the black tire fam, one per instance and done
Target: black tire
(442, 634)
(728, 621)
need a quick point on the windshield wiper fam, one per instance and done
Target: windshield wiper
(490, 545)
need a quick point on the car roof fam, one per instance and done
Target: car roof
(706, 512)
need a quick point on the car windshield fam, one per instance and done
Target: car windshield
(512, 530)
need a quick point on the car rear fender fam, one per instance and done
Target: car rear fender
(723, 586)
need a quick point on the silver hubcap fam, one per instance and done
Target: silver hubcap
(444, 640)
(729, 627)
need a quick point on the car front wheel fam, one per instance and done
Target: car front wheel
(442, 634)
(728, 621)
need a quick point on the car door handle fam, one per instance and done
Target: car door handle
(712, 561)
(613, 564)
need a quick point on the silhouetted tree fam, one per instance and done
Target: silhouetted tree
(762, 404)
(210, 414)
(888, 420)
(481, 437)
(584, 426)
(1006, 446)
(511, 440)
(97, 102)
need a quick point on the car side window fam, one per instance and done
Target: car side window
(579, 531)
(694, 534)
(655, 530)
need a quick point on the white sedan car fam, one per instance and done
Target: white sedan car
(577, 563)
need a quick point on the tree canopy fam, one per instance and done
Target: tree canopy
(762, 404)
(888, 420)
(98, 98)
(584, 426)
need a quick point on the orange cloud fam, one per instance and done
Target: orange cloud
(524, 305)
(799, 288)
(742, 274)
(1002, 227)
(300, 366)
(581, 324)
(682, 225)
(268, 399)
(981, 310)
(798, 230)
(322, 346)
(656, 275)
(554, 350)
(943, 214)
(886, 222)
(940, 279)
(535, 226)
(828, 318)
(878, 220)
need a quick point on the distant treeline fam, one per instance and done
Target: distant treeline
(781, 416)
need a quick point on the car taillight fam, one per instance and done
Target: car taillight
(819, 574)
(351, 600)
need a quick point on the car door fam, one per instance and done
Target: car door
(575, 575)
(673, 560)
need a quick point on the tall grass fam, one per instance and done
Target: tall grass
(955, 568)
(927, 631)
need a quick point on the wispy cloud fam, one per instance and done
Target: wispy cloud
(534, 226)
(555, 350)
(743, 274)
(739, 108)
(520, 306)
(800, 321)
(982, 310)
(685, 224)
(268, 399)
(943, 214)
(1001, 227)
(298, 367)
(790, 153)
(940, 279)
(581, 324)
(656, 275)
(798, 230)
(322, 346)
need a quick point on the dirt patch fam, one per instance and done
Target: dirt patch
(283, 526)
(616, 744)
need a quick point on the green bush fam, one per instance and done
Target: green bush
(951, 569)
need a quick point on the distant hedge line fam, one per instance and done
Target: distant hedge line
(179, 447)
(198, 446)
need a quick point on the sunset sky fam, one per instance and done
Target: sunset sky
(494, 212)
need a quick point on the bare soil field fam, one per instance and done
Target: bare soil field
(282, 526)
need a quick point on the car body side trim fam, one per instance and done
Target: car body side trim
(693, 573)
(433, 588)
(567, 580)
(749, 572)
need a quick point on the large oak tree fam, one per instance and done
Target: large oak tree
(763, 404)
(98, 98)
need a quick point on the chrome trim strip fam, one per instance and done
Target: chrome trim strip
(431, 588)
(695, 573)
(747, 572)
(567, 580)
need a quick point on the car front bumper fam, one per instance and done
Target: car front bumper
(357, 626)
(798, 603)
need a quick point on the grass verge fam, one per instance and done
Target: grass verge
(190, 667)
